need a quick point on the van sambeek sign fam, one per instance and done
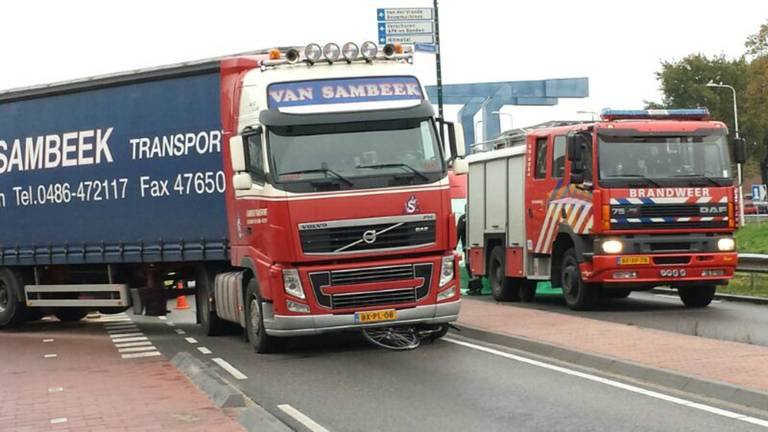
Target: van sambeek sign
(322, 92)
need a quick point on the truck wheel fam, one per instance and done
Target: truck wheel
(527, 290)
(209, 320)
(697, 296)
(578, 294)
(616, 293)
(70, 314)
(261, 342)
(12, 310)
(502, 287)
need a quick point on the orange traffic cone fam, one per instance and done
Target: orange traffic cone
(181, 301)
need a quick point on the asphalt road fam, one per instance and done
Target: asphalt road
(343, 384)
(724, 320)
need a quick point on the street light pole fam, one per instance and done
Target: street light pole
(736, 134)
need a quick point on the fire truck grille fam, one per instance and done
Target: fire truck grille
(622, 225)
(346, 239)
(669, 210)
(379, 274)
(373, 298)
(669, 216)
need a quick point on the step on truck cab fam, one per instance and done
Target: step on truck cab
(640, 199)
(296, 190)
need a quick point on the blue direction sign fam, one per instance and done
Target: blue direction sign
(405, 25)
(404, 14)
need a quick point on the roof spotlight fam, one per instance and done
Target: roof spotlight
(369, 50)
(350, 51)
(389, 51)
(331, 52)
(313, 52)
(292, 55)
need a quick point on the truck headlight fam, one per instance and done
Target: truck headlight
(612, 246)
(726, 244)
(446, 293)
(446, 270)
(292, 283)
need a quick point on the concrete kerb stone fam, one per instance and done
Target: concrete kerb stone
(659, 377)
(257, 419)
(222, 394)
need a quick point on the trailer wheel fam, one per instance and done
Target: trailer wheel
(70, 314)
(261, 342)
(12, 310)
(578, 294)
(502, 287)
(697, 296)
(209, 320)
(527, 290)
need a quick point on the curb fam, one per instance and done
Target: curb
(649, 374)
(252, 416)
(726, 297)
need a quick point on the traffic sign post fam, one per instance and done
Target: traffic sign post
(759, 192)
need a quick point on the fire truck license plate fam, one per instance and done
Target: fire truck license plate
(376, 316)
(634, 260)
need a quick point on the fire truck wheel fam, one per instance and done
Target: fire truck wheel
(12, 311)
(502, 287)
(70, 314)
(527, 290)
(209, 320)
(261, 342)
(578, 295)
(616, 293)
(697, 296)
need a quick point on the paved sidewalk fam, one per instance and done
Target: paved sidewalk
(89, 386)
(730, 362)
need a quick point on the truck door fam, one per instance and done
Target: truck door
(541, 188)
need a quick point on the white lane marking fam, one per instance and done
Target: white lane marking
(132, 344)
(170, 323)
(59, 420)
(137, 349)
(125, 335)
(118, 326)
(229, 368)
(47, 340)
(141, 354)
(180, 331)
(50, 356)
(302, 418)
(204, 350)
(162, 318)
(55, 389)
(191, 340)
(612, 383)
(123, 330)
(131, 339)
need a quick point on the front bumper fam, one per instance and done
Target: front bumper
(291, 325)
(663, 269)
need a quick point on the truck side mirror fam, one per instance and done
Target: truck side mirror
(451, 137)
(461, 149)
(574, 147)
(739, 150)
(237, 153)
(460, 166)
(242, 181)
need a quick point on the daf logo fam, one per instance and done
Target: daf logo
(369, 236)
(712, 209)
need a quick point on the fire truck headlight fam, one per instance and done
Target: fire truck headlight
(313, 52)
(726, 244)
(446, 270)
(612, 246)
(292, 283)
(331, 52)
(369, 50)
(350, 51)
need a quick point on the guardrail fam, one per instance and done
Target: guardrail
(752, 263)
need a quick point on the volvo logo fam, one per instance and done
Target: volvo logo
(369, 236)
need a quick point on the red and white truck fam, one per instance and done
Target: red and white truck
(640, 199)
(303, 190)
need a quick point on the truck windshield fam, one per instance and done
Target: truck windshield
(355, 155)
(663, 160)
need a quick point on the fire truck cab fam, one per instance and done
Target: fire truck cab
(638, 200)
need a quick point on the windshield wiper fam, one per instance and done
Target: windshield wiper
(396, 165)
(709, 179)
(321, 170)
(646, 178)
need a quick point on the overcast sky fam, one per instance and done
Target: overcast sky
(618, 45)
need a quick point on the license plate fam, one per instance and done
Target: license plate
(634, 260)
(376, 316)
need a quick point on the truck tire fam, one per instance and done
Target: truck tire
(209, 320)
(527, 290)
(261, 342)
(12, 310)
(578, 294)
(697, 296)
(616, 293)
(502, 287)
(70, 314)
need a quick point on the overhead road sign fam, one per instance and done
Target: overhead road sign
(404, 14)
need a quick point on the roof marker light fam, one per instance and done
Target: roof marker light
(369, 50)
(669, 114)
(274, 54)
(331, 52)
(313, 52)
(350, 51)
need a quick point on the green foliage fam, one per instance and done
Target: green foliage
(753, 237)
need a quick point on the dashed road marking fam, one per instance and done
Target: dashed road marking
(119, 326)
(123, 331)
(141, 355)
(59, 420)
(125, 335)
(302, 418)
(162, 318)
(55, 389)
(48, 340)
(137, 349)
(133, 344)
(180, 331)
(204, 350)
(191, 340)
(229, 368)
(50, 355)
(170, 324)
(131, 339)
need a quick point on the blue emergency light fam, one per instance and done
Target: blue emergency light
(655, 114)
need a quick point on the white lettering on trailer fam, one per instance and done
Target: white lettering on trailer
(68, 149)
(175, 145)
(678, 192)
(2, 200)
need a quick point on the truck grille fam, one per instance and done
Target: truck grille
(373, 298)
(343, 237)
(381, 274)
(669, 216)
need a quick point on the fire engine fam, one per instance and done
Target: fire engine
(640, 199)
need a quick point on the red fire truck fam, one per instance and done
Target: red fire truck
(640, 199)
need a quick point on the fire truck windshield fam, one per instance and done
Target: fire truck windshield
(362, 154)
(658, 159)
